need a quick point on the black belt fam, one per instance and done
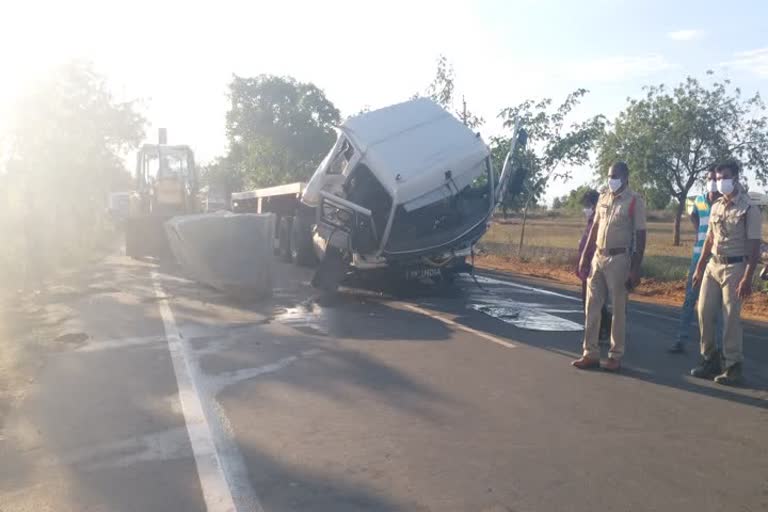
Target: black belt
(612, 252)
(728, 260)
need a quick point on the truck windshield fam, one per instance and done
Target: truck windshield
(443, 215)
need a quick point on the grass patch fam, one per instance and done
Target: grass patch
(666, 268)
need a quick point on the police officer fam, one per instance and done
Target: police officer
(618, 228)
(733, 241)
(700, 219)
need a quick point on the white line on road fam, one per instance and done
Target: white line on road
(216, 491)
(448, 321)
(121, 343)
(490, 280)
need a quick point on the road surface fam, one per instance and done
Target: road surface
(164, 395)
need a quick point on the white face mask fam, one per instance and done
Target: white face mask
(711, 185)
(588, 212)
(615, 184)
(725, 186)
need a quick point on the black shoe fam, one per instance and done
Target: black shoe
(731, 376)
(677, 347)
(708, 368)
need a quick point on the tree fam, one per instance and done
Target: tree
(572, 200)
(442, 92)
(553, 148)
(670, 138)
(67, 141)
(278, 129)
(221, 177)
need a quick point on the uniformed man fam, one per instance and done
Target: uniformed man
(733, 241)
(618, 234)
(700, 220)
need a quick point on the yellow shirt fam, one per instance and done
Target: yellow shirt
(616, 225)
(733, 222)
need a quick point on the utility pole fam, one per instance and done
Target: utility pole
(463, 110)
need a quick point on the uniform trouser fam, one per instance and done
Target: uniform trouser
(609, 276)
(605, 315)
(718, 293)
(689, 309)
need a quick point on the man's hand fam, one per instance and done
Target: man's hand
(697, 277)
(633, 280)
(584, 268)
(744, 289)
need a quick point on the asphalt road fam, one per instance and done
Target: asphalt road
(457, 399)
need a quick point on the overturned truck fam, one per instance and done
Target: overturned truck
(407, 189)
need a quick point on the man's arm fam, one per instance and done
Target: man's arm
(640, 238)
(637, 259)
(695, 221)
(754, 220)
(706, 252)
(589, 247)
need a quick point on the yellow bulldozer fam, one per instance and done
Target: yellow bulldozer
(167, 185)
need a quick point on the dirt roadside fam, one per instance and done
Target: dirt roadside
(649, 291)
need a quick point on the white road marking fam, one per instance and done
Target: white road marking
(216, 491)
(95, 346)
(448, 321)
(490, 280)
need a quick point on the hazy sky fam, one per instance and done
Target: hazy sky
(179, 57)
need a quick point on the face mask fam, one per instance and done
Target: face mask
(614, 184)
(712, 185)
(725, 186)
(588, 212)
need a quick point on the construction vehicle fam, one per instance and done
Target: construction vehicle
(407, 189)
(167, 185)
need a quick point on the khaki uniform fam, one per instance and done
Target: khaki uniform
(618, 217)
(731, 224)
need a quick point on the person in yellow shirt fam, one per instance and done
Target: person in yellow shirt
(733, 242)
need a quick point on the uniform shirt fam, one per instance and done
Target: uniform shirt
(702, 207)
(733, 222)
(617, 226)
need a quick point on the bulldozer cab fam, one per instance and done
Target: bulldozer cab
(166, 179)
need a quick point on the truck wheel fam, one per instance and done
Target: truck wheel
(284, 248)
(302, 252)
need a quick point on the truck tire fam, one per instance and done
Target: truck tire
(302, 252)
(284, 238)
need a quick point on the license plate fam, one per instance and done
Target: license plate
(422, 273)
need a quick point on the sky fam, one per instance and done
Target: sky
(178, 57)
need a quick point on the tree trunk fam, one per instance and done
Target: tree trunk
(522, 232)
(678, 215)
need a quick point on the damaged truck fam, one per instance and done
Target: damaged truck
(407, 189)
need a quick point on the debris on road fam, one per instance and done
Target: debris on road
(230, 252)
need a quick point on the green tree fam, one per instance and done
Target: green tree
(221, 177)
(554, 147)
(572, 200)
(442, 91)
(670, 137)
(278, 129)
(67, 140)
